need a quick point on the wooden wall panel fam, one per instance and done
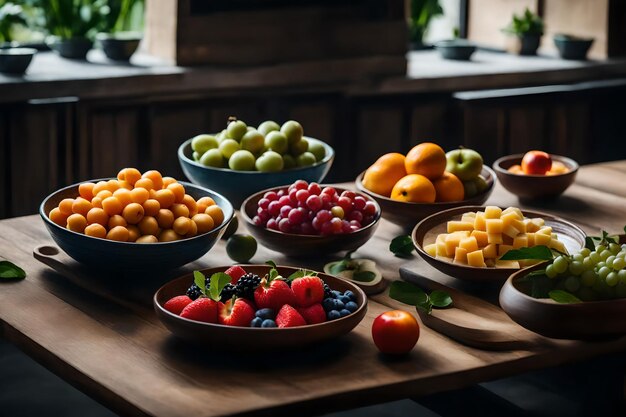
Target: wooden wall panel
(428, 124)
(527, 129)
(4, 164)
(485, 130)
(570, 130)
(380, 130)
(486, 18)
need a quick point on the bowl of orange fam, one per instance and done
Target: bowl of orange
(426, 180)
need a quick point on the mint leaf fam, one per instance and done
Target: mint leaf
(364, 276)
(540, 252)
(8, 270)
(426, 307)
(407, 293)
(402, 246)
(589, 244)
(339, 267)
(218, 282)
(440, 299)
(273, 272)
(200, 280)
(271, 263)
(301, 273)
(563, 297)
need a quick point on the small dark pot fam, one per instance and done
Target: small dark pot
(16, 60)
(74, 48)
(572, 47)
(456, 49)
(525, 44)
(118, 48)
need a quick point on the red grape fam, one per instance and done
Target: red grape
(327, 228)
(263, 203)
(295, 216)
(271, 196)
(314, 188)
(257, 221)
(274, 208)
(355, 215)
(284, 200)
(302, 195)
(284, 211)
(336, 224)
(300, 185)
(314, 202)
(307, 228)
(359, 202)
(330, 191)
(369, 209)
(272, 224)
(345, 203)
(284, 226)
(324, 216)
(350, 194)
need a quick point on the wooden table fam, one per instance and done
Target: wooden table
(110, 345)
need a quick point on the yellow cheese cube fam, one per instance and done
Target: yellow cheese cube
(469, 244)
(492, 212)
(442, 251)
(558, 245)
(510, 231)
(476, 259)
(441, 238)
(541, 239)
(494, 226)
(468, 217)
(531, 239)
(509, 218)
(490, 251)
(459, 235)
(531, 226)
(545, 231)
(502, 249)
(513, 210)
(494, 238)
(451, 244)
(519, 225)
(481, 238)
(538, 221)
(460, 255)
(520, 241)
(507, 264)
(431, 249)
(479, 222)
(457, 225)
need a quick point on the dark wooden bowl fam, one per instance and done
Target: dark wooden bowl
(306, 245)
(106, 254)
(408, 214)
(534, 186)
(251, 339)
(587, 320)
(427, 230)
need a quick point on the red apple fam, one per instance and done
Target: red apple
(536, 163)
(395, 332)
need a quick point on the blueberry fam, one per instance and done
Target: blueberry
(350, 295)
(268, 323)
(256, 322)
(333, 315)
(352, 306)
(328, 304)
(338, 305)
(336, 294)
(344, 299)
(344, 313)
(265, 313)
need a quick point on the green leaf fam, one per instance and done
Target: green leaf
(563, 297)
(540, 252)
(402, 246)
(199, 279)
(218, 282)
(339, 267)
(440, 299)
(9, 270)
(589, 243)
(407, 293)
(364, 276)
(301, 273)
(426, 307)
(271, 263)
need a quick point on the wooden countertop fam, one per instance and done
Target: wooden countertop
(109, 344)
(50, 76)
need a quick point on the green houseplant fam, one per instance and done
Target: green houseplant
(525, 31)
(422, 12)
(10, 14)
(122, 34)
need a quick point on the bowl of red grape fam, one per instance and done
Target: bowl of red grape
(309, 219)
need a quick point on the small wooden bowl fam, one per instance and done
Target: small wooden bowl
(306, 245)
(534, 186)
(252, 339)
(408, 214)
(587, 320)
(427, 230)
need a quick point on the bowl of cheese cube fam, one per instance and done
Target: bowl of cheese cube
(468, 242)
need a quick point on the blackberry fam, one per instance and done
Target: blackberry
(246, 285)
(227, 292)
(194, 292)
(327, 291)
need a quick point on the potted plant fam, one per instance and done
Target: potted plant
(526, 31)
(72, 24)
(123, 32)
(422, 12)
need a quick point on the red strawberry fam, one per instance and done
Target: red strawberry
(238, 313)
(313, 314)
(274, 294)
(289, 317)
(235, 272)
(308, 290)
(177, 304)
(203, 309)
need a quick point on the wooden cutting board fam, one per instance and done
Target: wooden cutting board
(473, 321)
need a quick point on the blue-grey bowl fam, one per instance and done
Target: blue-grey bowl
(239, 185)
(16, 60)
(100, 254)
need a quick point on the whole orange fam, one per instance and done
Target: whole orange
(427, 159)
(414, 188)
(449, 188)
(384, 173)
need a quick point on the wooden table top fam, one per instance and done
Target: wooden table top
(113, 348)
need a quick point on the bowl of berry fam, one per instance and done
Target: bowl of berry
(309, 219)
(259, 307)
(135, 221)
